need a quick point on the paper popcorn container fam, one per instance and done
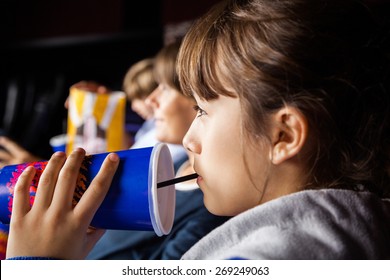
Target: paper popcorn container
(133, 201)
(96, 122)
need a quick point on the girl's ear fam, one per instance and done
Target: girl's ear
(289, 130)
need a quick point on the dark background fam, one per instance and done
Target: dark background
(46, 46)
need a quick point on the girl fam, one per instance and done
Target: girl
(291, 137)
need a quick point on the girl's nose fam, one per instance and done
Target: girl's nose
(191, 142)
(152, 99)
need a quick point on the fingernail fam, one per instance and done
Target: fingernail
(59, 154)
(29, 169)
(113, 157)
(79, 150)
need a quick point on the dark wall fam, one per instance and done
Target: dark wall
(46, 46)
(176, 11)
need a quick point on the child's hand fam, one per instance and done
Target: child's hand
(91, 86)
(12, 153)
(52, 227)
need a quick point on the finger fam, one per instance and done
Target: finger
(80, 85)
(102, 90)
(5, 156)
(87, 85)
(93, 197)
(21, 200)
(48, 180)
(66, 104)
(66, 183)
(2, 140)
(11, 146)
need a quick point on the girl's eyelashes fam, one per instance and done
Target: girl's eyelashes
(164, 87)
(200, 111)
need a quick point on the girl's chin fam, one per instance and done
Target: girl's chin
(213, 209)
(163, 139)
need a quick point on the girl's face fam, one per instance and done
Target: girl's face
(173, 113)
(219, 150)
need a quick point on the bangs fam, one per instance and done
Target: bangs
(202, 66)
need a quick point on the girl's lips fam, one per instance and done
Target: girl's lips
(199, 179)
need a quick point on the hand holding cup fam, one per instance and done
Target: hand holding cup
(56, 228)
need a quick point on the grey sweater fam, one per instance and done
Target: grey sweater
(312, 224)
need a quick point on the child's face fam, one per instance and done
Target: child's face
(173, 113)
(219, 149)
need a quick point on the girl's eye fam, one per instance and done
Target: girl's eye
(200, 111)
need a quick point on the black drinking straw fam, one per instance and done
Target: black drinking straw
(177, 180)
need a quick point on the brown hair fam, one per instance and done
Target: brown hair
(324, 57)
(165, 65)
(139, 80)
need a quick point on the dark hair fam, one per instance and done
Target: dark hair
(323, 57)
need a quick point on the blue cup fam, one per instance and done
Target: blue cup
(58, 143)
(133, 201)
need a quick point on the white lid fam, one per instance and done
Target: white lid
(162, 201)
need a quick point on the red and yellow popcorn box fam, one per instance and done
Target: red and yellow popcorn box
(96, 122)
